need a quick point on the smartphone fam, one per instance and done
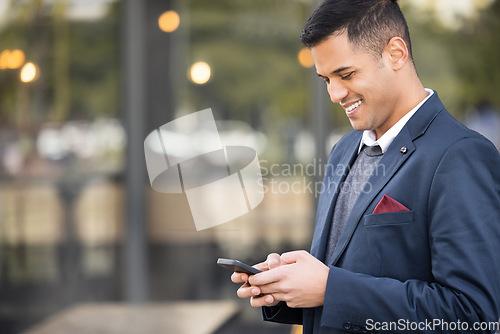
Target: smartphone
(237, 266)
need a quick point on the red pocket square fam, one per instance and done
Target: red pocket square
(389, 204)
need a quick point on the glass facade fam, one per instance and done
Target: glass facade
(82, 83)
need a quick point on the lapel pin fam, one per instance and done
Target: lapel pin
(403, 149)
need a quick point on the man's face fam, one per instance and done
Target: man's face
(363, 84)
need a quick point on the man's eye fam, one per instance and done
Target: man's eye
(347, 76)
(326, 80)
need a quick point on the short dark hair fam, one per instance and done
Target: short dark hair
(369, 23)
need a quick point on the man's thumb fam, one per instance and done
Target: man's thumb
(291, 257)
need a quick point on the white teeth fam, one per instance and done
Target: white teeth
(355, 105)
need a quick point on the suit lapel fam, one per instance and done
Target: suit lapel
(331, 183)
(392, 160)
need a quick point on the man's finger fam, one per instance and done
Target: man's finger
(273, 288)
(265, 300)
(247, 291)
(239, 278)
(292, 257)
(261, 266)
(273, 260)
(267, 277)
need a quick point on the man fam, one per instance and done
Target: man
(407, 233)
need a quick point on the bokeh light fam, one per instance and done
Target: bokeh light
(16, 59)
(200, 72)
(11, 59)
(169, 21)
(29, 72)
(305, 57)
(4, 59)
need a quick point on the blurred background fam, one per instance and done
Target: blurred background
(82, 83)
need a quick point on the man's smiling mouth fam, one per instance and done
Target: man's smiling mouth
(353, 106)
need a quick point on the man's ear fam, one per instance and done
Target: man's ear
(397, 52)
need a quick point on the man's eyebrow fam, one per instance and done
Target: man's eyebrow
(340, 69)
(337, 71)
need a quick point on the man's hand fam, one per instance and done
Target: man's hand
(253, 292)
(299, 280)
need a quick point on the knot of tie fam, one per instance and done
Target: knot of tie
(372, 151)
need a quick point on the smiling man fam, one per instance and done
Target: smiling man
(416, 247)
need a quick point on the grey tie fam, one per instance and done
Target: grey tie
(354, 184)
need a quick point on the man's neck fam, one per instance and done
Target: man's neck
(410, 96)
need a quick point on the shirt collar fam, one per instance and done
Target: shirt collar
(369, 138)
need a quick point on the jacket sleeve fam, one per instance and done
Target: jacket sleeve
(283, 314)
(463, 219)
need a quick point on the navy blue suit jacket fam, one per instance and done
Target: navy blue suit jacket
(440, 260)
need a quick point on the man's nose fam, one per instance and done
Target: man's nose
(337, 91)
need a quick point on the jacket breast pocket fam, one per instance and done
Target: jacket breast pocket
(396, 243)
(389, 219)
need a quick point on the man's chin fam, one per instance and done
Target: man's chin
(358, 126)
